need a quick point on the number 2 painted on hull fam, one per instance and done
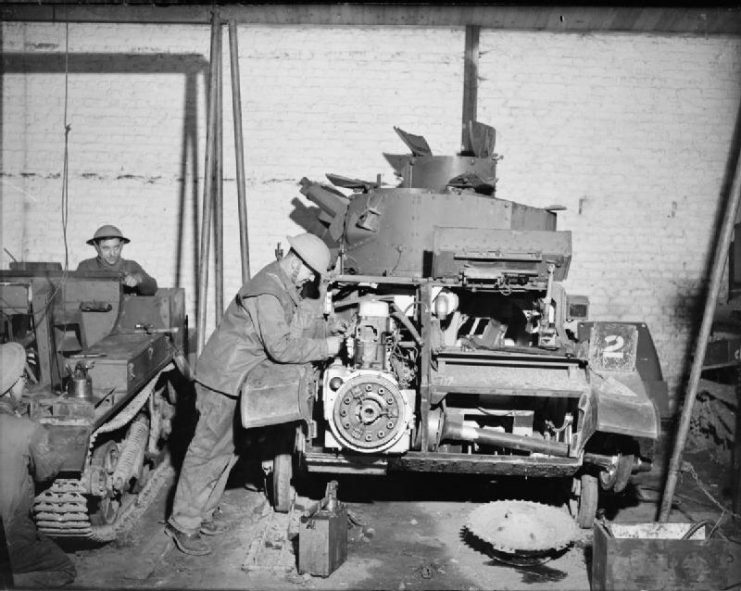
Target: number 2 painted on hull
(613, 350)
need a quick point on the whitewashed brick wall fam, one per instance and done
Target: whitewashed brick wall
(630, 132)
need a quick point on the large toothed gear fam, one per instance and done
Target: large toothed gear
(523, 527)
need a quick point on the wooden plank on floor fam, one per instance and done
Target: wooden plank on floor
(153, 552)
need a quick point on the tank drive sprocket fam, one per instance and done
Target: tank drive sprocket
(523, 528)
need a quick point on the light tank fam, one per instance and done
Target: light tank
(465, 354)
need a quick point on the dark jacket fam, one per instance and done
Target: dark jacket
(25, 454)
(148, 286)
(260, 323)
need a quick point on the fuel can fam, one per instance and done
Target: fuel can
(322, 541)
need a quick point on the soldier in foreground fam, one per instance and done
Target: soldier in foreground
(25, 454)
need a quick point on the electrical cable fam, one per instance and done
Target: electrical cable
(65, 194)
(690, 469)
(65, 172)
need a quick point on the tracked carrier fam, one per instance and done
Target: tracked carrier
(465, 354)
(100, 361)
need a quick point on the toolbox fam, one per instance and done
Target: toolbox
(125, 362)
(655, 556)
(322, 536)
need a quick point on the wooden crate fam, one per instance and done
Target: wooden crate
(653, 556)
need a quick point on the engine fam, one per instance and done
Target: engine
(368, 404)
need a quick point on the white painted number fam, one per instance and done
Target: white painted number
(614, 344)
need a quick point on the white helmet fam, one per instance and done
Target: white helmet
(312, 251)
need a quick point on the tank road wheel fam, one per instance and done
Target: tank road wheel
(588, 496)
(107, 512)
(281, 490)
(104, 462)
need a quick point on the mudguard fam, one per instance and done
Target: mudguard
(621, 405)
(610, 338)
(618, 400)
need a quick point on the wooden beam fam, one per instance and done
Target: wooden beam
(208, 196)
(239, 152)
(219, 184)
(697, 19)
(470, 80)
(725, 235)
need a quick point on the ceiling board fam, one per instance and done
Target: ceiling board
(687, 20)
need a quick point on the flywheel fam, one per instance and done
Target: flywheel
(523, 528)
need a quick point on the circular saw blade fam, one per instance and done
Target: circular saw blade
(523, 527)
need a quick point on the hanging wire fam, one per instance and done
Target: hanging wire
(65, 171)
(65, 203)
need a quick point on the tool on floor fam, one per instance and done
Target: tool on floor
(322, 536)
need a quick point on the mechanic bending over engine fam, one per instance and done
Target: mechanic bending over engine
(109, 242)
(35, 560)
(261, 325)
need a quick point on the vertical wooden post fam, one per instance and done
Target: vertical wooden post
(239, 151)
(719, 261)
(207, 191)
(424, 293)
(736, 451)
(219, 185)
(470, 81)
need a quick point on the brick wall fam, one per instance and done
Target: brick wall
(630, 132)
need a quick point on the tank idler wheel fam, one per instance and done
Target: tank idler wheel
(624, 470)
(617, 478)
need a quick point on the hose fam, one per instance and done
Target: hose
(695, 527)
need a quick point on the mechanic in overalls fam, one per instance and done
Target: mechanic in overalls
(25, 455)
(258, 326)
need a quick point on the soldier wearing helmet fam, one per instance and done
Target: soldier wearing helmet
(260, 326)
(25, 455)
(108, 242)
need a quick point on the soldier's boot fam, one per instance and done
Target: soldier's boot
(216, 525)
(192, 544)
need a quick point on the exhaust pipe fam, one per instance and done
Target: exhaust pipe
(453, 428)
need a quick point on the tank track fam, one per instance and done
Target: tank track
(62, 510)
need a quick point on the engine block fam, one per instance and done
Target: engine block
(367, 411)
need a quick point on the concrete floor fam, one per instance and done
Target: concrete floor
(408, 534)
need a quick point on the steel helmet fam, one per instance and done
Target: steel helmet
(312, 251)
(12, 363)
(107, 231)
